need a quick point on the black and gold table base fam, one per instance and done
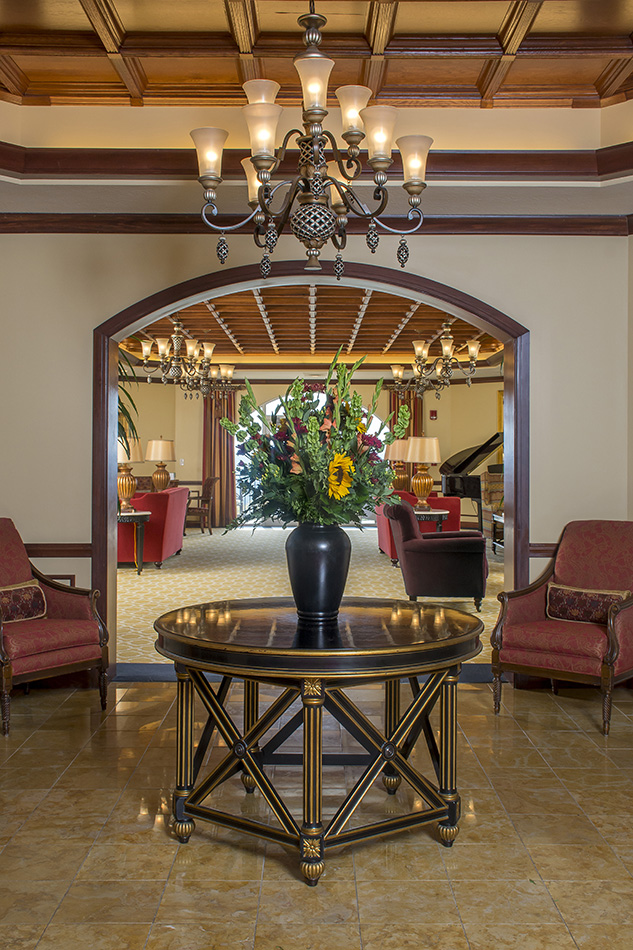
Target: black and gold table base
(385, 754)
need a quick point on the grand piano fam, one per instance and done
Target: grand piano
(455, 471)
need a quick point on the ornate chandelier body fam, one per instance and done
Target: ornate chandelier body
(189, 366)
(319, 198)
(436, 374)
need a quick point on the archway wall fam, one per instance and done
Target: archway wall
(570, 292)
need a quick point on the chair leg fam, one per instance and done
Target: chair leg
(478, 603)
(5, 703)
(554, 687)
(606, 711)
(496, 691)
(103, 687)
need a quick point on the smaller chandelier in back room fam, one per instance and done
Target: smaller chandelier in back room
(435, 374)
(318, 199)
(187, 363)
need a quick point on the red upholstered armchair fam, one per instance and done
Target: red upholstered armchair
(164, 530)
(386, 542)
(574, 622)
(450, 564)
(46, 629)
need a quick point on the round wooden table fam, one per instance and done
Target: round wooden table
(260, 641)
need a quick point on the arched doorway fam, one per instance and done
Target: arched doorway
(516, 394)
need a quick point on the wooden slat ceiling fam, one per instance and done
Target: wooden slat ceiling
(442, 52)
(287, 326)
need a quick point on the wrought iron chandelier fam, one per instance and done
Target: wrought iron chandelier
(318, 199)
(435, 374)
(187, 363)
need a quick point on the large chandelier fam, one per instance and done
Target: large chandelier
(187, 363)
(435, 374)
(318, 199)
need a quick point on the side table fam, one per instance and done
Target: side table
(138, 519)
(438, 515)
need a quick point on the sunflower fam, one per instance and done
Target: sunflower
(340, 475)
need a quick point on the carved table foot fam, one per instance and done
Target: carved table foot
(183, 829)
(448, 833)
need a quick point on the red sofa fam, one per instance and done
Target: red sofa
(385, 535)
(163, 531)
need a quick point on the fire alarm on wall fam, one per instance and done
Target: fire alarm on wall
(433, 415)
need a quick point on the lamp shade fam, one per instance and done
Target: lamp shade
(397, 450)
(260, 90)
(252, 181)
(424, 450)
(209, 145)
(314, 73)
(160, 450)
(135, 453)
(379, 123)
(414, 150)
(262, 119)
(352, 99)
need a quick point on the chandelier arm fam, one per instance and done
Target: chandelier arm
(339, 240)
(355, 205)
(343, 161)
(413, 213)
(232, 227)
(265, 204)
(281, 151)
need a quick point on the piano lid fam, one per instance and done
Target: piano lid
(468, 459)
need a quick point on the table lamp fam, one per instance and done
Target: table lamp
(424, 452)
(160, 451)
(126, 482)
(396, 453)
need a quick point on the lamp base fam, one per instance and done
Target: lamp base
(422, 486)
(160, 478)
(400, 479)
(126, 487)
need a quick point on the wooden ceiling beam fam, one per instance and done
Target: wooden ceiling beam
(131, 74)
(242, 19)
(12, 77)
(613, 76)
(517, 23)
(381, 20)
(105, 22)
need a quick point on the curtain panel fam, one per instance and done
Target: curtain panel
(218, 458)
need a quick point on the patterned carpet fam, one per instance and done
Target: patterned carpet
(244, 563)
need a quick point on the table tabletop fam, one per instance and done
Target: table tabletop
(133, 515)
(374, 637)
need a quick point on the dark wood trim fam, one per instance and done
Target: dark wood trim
(60, 578)
(59, 549)
(104, 466)
(570, 225)
(538, 549)
(111, 163)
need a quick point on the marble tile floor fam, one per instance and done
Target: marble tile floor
(247, 563)
(543, 860)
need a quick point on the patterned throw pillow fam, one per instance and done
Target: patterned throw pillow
(581, 606)
(22, 602)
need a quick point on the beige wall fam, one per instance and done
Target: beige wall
(571, 292)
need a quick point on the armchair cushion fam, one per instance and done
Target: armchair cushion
(22, 602)
(39, 637)
(557, 637)
(581, 606)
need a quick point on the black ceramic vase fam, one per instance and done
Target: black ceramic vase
(318, 562)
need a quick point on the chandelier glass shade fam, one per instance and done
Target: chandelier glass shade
(318, 200)
(187, 363)
(436, 374)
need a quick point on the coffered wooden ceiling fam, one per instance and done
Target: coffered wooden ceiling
(283, 327)
(198, 52)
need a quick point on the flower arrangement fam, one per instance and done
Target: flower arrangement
(315, 460)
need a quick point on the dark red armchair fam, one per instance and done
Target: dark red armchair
(386, 543)
(575, 622)
(46, 628)
(450, 564)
